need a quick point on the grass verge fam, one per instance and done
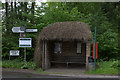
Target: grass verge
(18, 64)
(106, 67)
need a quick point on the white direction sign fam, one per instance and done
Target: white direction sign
(31, 30)
(25, 42)
(17, 30)
(14, 52)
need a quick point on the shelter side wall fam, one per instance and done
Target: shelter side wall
(38, 53)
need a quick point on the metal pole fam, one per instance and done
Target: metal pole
(9, 56)
(25, 47)
(25, 54)
(95, 51)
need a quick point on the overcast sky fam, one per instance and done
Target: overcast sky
(37, 1)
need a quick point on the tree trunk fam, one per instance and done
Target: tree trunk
(32, 9)
(15, 11)
(25, 10)
(32, 12)
(6, 13)
(15, 6)
(12, 5)
(12, 18)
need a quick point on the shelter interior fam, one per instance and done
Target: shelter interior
(68, 54)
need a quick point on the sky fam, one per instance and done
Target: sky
(37, 1)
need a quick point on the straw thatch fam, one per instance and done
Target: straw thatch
(66, 31)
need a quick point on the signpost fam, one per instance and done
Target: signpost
(31, 30)
(14, 53)
(24, 42)
(22, 35)
(18, 29)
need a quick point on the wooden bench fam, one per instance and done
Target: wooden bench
(68, 59)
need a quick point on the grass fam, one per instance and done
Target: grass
(106, 67)
(40, 70)
(18, 64)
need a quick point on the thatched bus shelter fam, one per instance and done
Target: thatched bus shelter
(63, 43)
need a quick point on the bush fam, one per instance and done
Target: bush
(25, 66)
(115, 64)
(18, 64)
(29, 65)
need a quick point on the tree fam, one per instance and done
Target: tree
(6, 13)
(32, 11)
(94, 14)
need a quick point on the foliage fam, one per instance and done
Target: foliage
(115, 64)
(22, 17)
(40, 70)
(18, 64)
(109, 45)
(106, 67)
(105, 16)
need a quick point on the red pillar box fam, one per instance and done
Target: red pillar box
(96, 50)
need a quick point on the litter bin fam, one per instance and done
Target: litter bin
(91, 63)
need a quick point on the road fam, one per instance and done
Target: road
(10, 75)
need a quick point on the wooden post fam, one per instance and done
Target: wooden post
(47, 60)
(43, 57)
(46, 55)
(87, 54)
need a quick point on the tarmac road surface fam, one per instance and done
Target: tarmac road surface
(11, 75)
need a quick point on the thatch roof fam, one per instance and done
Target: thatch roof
(66, 31)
